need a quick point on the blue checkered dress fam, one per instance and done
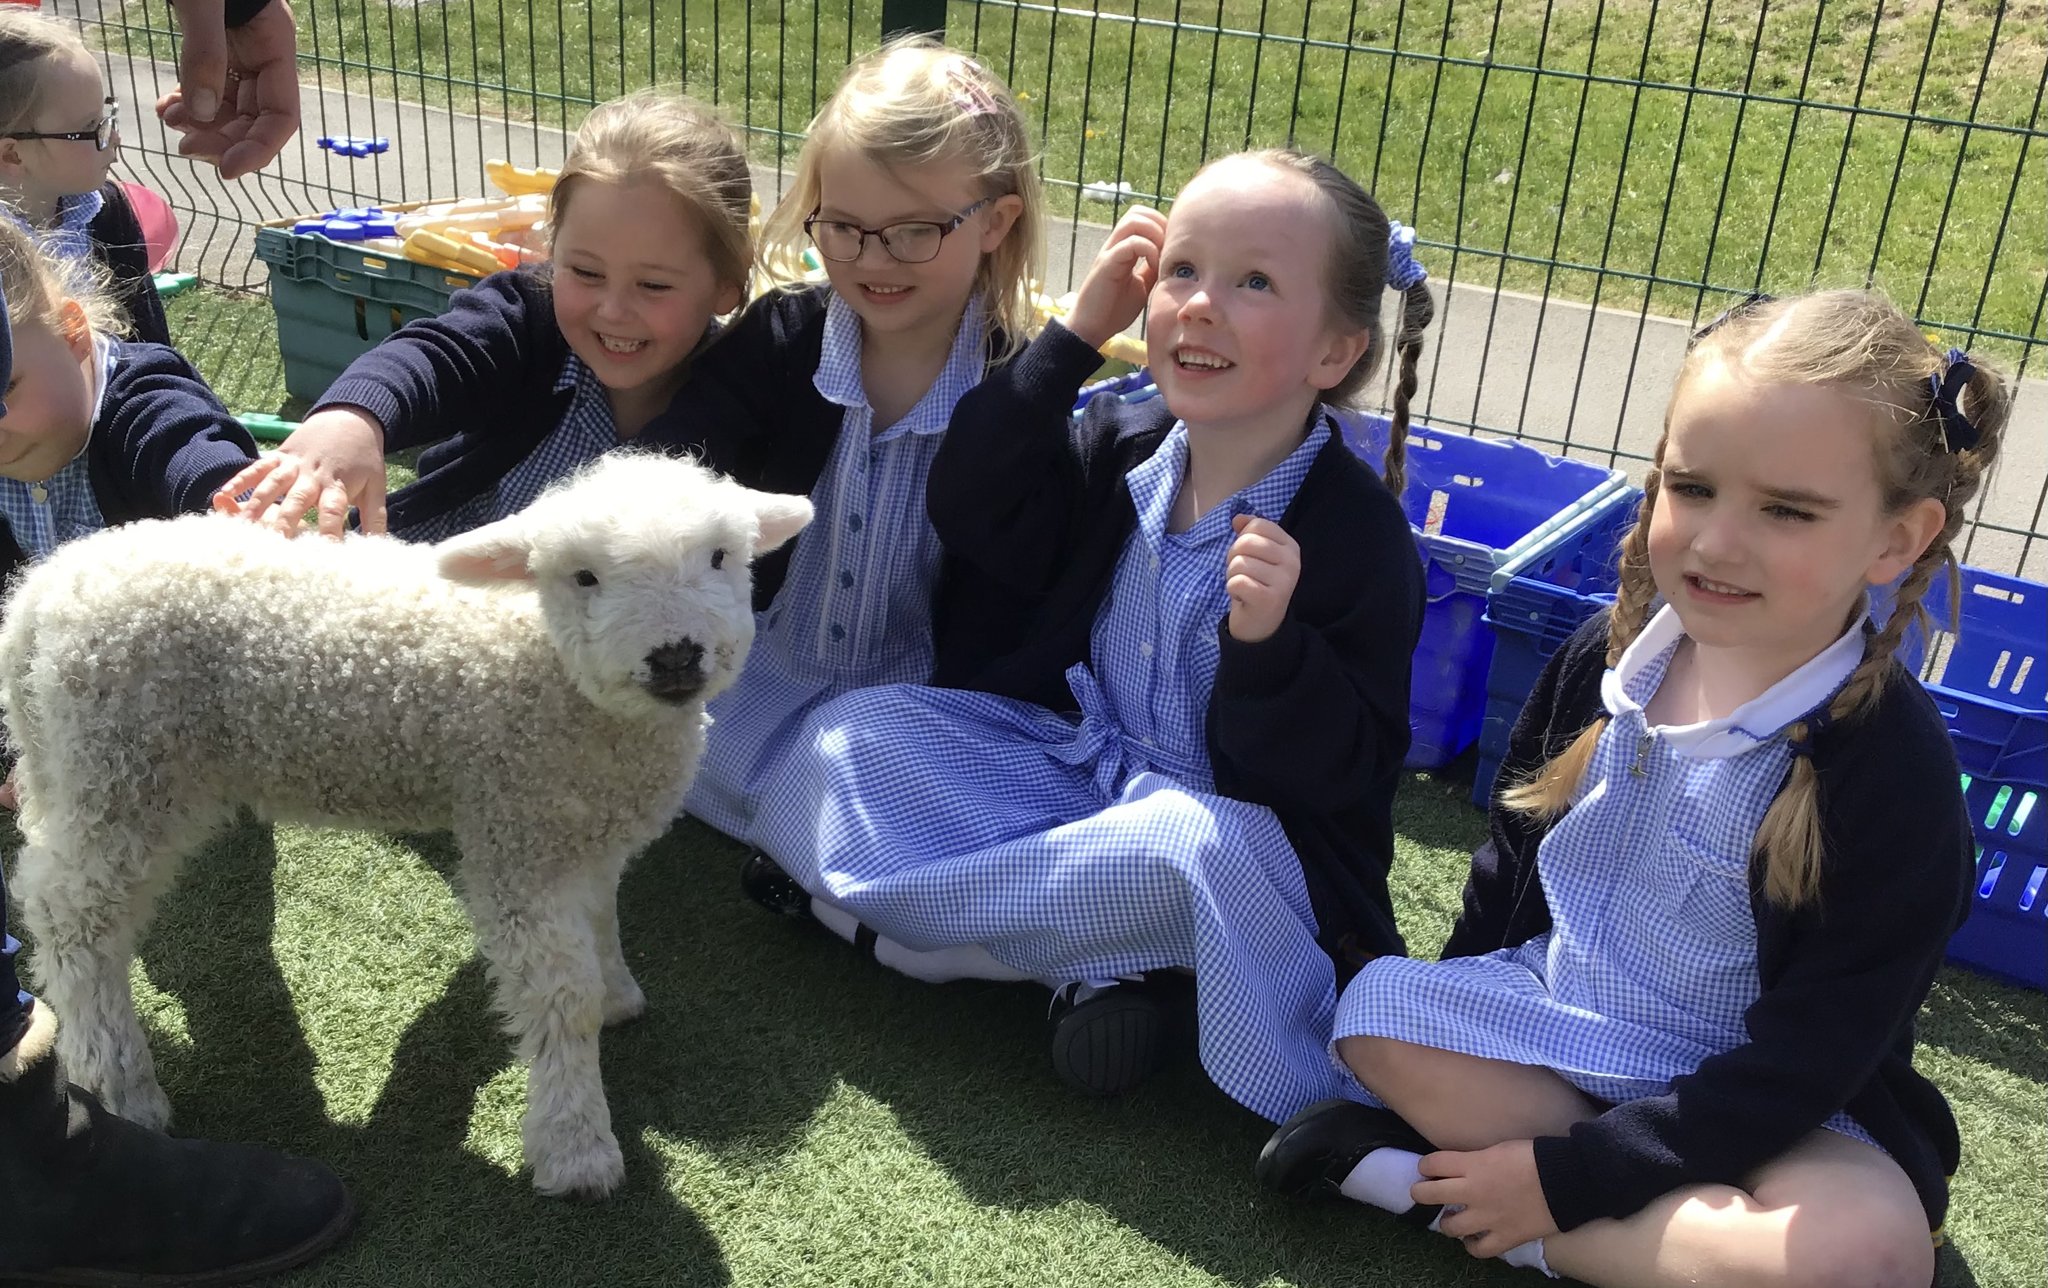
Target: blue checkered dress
(70, 232)
(1086, 849)
(1650, 961)
(586, 432)
(42, 516)
(856, 606)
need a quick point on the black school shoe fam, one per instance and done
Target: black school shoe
(1312, 1152)
(1121, 1036)
(767, 884)
(89, 1198)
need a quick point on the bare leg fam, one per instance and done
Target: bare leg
(1829, 1211)
(1465, 1102)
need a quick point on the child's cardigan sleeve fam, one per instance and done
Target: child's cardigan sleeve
(164, 443)
(475, 366)
(1008, 483)
(1842, 977)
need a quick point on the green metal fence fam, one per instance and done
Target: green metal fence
(1588, 178)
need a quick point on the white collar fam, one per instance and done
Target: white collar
(1755, 722)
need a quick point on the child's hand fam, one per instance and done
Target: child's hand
(1113, 294)
(1265, 564)
(332, 461)
(1498, 1190)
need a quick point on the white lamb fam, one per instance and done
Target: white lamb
(537, 686)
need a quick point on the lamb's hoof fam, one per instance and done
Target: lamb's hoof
(625, 1005)
(591, 1171)
(142, 1103)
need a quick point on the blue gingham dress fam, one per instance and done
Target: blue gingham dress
(1086, 849)
(70, 232)
(42, 516)
(586, 432)
(1650, 961)
(855, 608)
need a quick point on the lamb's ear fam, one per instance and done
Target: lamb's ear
(782, 517)
(495, 552)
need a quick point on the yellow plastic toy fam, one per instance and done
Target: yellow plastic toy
(1121, 348)
(519, 181)
(445, 252)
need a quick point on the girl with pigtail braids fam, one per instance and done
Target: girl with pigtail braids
(1670, 1040)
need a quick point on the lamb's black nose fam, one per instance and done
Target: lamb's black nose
(675, 672)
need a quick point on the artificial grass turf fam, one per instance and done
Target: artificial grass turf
(793, 1116)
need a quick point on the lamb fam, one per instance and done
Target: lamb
(537, 686)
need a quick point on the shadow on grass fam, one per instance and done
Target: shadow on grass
(430, 1207)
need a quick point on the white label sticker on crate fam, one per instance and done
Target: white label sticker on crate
(1433, 518)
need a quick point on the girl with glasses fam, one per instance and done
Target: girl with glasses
(59, 136)
(917, 194)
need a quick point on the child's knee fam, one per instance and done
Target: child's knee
(1856, 1244)
(1373, 1061)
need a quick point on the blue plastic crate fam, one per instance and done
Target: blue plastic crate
(1990, 681)
(1476, 506)
(1534, 606)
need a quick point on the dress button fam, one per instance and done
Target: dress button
(845, 580)
(853, 523)
(1145, 648)
(838, 633)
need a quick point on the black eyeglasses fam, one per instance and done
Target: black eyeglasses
(101, 133)
(914, 241)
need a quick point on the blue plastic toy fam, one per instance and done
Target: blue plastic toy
(350, 146)
(350, 224)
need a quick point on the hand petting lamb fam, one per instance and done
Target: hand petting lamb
(537, 686)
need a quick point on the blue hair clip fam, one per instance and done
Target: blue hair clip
(1402, 270)
(1943, 386)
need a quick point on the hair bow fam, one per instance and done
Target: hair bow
(1943, 387)
(1402, 270)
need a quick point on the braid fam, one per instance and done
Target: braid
(1636, 590)
(1548, 792)
(1418, 308)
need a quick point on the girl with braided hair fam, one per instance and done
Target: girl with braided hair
(1671, 1037)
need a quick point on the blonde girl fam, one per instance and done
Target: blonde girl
(917, 193)
(59, 137)
(1671, 1039)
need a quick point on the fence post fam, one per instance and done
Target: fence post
(903, 17)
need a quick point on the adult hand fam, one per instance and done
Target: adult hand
(237, 101)
(332, 461)
(1113, 293)
(1265, 565)
(1498, 1190)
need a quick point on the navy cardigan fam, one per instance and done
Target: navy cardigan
(162, 446)
(1312, 722)
(1843, 977)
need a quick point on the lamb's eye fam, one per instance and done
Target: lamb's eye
(585, 577)
(718, 558)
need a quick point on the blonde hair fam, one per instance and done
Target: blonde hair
(1356, 278)
(658, 136)
(915, 102)
(1861, 344)
(38, 283)
(28, 42)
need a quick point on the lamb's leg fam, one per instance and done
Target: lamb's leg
(86, 897)
(534, 928)
(623, 999)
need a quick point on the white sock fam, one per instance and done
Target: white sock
(835, 918)
(1383, 1178)
(1529, 1256)
(944, 965)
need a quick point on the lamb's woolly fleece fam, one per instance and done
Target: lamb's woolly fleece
(503, 684)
